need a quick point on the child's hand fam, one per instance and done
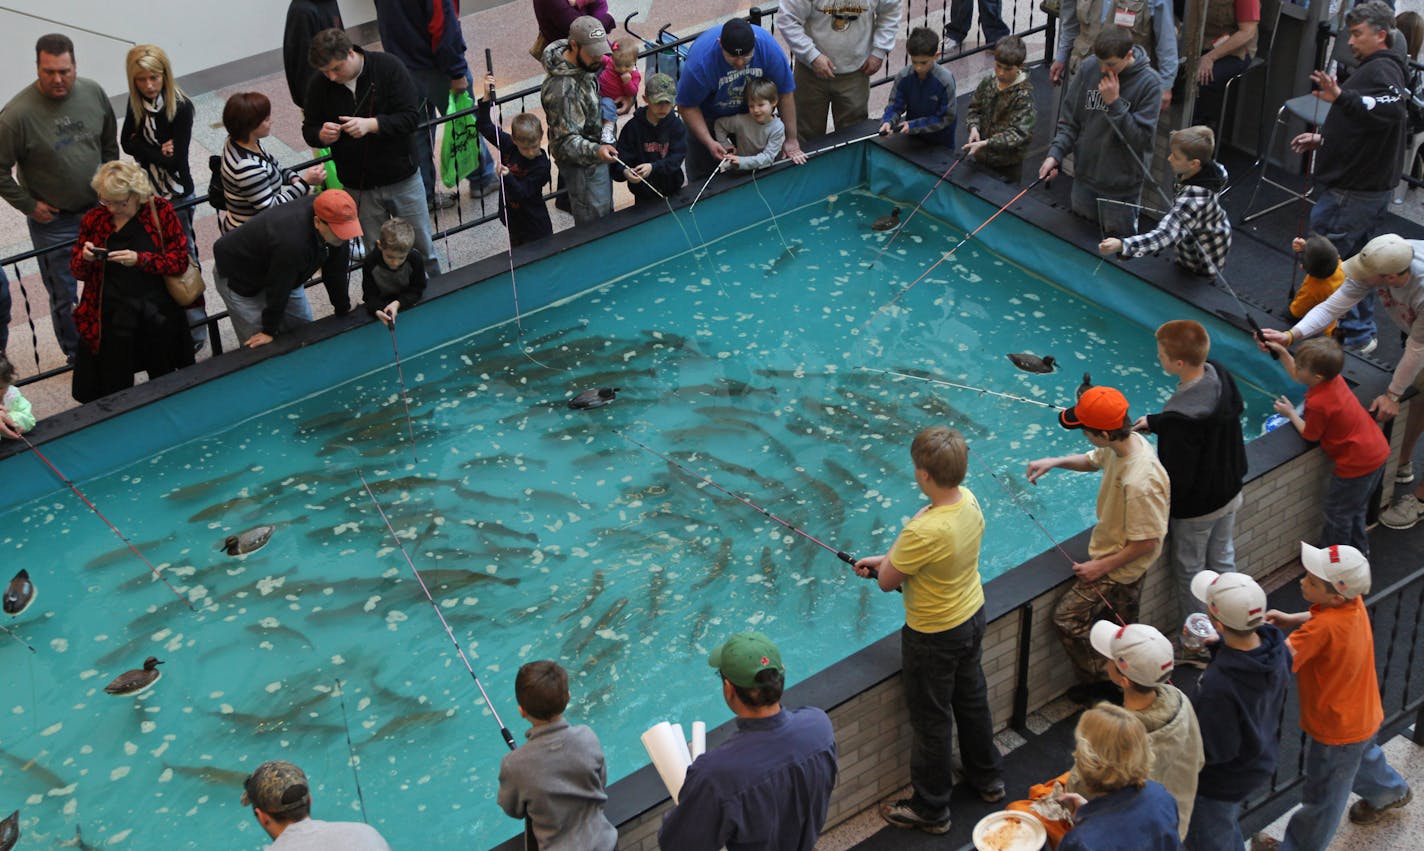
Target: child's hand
(886, 129)
(8, 427)
(502, 169)
(972, 148)
(730, 161)
(626, 76)
(1091, 571)
(1111, 245)
(489, 87)
(1297, 245)
(904, 127)
(1109, 87)
(387, 314)
(639, 173)
(973, 136)
(1272, 340)
(1037, 468)
(1283, 406)
(868, 566)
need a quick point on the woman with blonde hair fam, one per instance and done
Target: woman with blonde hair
(157, 131)
(1118, 809)
(127, 322)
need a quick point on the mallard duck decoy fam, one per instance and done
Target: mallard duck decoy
(889, 222)
(250, 541)
(1033, 363)
(137, 680)
(19, 594)
(10, 831)
(1087, 383)
(594, 398)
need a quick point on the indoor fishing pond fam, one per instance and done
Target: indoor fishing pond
(767, 359)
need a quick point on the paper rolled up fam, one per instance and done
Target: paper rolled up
(699, 738)
(682, 740)
(668, 751)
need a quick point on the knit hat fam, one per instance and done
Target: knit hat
(1345, 569)
(1389, 254)
(1099, 408)
(1233, 598)
(745, 655)
(276, 787)
(1140, 652)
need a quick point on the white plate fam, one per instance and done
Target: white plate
(1030, 837)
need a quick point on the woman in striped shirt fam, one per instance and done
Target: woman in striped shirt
(252, 179)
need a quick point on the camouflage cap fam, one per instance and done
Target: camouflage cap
(660, 88)
(276, 787)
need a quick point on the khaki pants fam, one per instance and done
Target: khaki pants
(845, 96)
(1081, 607)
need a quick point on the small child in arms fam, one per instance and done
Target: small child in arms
(618, 86)
(16, 416)
(756, 135)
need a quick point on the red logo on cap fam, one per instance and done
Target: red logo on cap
(1334, 551)
(765, 660)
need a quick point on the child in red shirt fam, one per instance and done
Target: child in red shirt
(1346, 433)
(1333, 652)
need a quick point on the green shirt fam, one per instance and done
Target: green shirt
(55, 146)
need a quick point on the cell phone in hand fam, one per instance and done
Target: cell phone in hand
(100, 254)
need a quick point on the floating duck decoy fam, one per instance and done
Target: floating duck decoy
(10, 831)
(1087, 383)
(19, 594)
(889, 222)
(250, 541)
(1033, 363)
(137, 680)
(594, 398)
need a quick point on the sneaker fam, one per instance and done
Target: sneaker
(1367, 348)
(1404, 514)
(485, 187)
(902, 814)
(610, 134)
(1363, 812)
(1262, 842)
(441, 201)
(992, 794)
(1404, 473)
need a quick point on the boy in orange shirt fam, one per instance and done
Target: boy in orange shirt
(1333, 652)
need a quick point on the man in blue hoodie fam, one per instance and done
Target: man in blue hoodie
(1108, 121)
(1238, 704)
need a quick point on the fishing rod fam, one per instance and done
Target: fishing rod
(808, 154)
(10, 631)
(503, 730)
(708, 182)
(351, 751)
(949, 253)
(901, 228)
(405, 399)
(94, 508)
(963, 387)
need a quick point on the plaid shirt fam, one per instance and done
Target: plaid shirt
(1196, 224)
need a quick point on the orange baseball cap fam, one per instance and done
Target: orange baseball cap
(1099, 408)
(338, 211)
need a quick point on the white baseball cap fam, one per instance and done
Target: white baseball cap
(1140, 652)
(1344, 568)
(1233, 598)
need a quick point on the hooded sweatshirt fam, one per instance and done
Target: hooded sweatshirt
(1240, 694)
(664, 145)
(1105, 139)
(570, 99)
(1196, 224)
(1362, 141)
(1200, 444)
(847, 32)
(1176, 750)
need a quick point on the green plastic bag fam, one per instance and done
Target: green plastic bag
(459, 143)
(332, 181)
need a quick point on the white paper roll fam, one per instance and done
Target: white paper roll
(668, 752)
(699, 738)
(682, 740)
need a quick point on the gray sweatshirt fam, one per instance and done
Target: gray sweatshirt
(758, 145)
(557, 781)
(847, 31)
(1104, 139)
(57, 144)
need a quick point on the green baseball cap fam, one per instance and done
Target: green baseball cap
(745, 655)
(660, 88)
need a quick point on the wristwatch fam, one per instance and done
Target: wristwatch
(1392, 396)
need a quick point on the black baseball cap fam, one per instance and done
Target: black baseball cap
(738, 38)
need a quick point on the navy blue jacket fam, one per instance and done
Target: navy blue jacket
(766, 788)
(927, 105)
(1126, 820)
(524, 210)
(423, 34)
(663, 144)
(1238, 702)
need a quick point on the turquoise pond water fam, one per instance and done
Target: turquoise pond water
(540, 531)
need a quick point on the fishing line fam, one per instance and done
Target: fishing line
(405, 399)
(10, 631)
(774, 223)
(112, 527)
(985, 390)
(947, 255)
(503, 730)
(901, 228)
(685, 235)
(351, 751)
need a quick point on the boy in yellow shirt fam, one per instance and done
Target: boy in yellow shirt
(936, 560)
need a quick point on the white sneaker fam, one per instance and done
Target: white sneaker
(1367, 348)
(1404, 513)
(1404, 473)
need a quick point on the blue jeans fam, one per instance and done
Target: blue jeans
(1348, 219)
(944, 685)
(1118, 210)
(404, 198)
(434, 89)
(1332, 772)
(961, 12)
(246, 310)
(1215, 826)
(54, 271)
(590, 191)
(1194, 545)
(1347, 501)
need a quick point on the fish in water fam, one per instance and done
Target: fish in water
(78, 841)
(1033, 363)
(10, 831)
(594, 398)
(138, 680)
(1087, 383)
(889, 222)
(19, 594)
(250, 541)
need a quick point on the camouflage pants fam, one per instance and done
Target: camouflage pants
(1081, 607)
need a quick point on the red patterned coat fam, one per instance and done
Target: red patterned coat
(96, 227)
